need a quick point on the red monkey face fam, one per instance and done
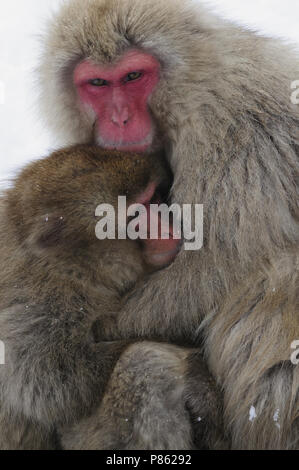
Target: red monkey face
(119, 95)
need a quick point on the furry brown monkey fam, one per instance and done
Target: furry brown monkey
(220, 96)
(57, 279)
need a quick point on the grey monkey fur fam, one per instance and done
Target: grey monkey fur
(232, 137)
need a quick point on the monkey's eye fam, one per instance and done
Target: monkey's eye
(98, 82)
(133, 76)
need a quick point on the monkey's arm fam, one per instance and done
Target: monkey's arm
(53, 373)
(154, 308)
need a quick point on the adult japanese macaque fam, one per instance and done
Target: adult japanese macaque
(138, 75)
(60, 385)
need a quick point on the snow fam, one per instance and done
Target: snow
(252, 413)
(21, 22)
(276, 418)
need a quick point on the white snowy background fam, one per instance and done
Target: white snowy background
(22, 138)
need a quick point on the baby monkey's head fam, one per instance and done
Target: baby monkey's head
(54, 200)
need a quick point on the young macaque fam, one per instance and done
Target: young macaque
(58, 280)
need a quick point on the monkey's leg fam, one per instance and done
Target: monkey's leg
(143, 407)
(249, 350)
(52, 373)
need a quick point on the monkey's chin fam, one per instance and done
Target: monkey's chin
(141, 146)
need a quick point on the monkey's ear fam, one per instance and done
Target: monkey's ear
(46, 232)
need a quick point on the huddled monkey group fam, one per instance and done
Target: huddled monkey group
(205, 336)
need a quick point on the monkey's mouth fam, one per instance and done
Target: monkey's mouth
(139, 146)
(161, 245)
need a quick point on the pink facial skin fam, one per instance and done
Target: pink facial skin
(121, 101)
(158, 252)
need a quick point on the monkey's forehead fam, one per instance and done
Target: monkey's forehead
(103, 29)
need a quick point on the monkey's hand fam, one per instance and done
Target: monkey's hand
(204, 403)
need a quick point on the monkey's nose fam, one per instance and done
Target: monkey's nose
(120, 118)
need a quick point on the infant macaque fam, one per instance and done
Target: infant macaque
(56, 283)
